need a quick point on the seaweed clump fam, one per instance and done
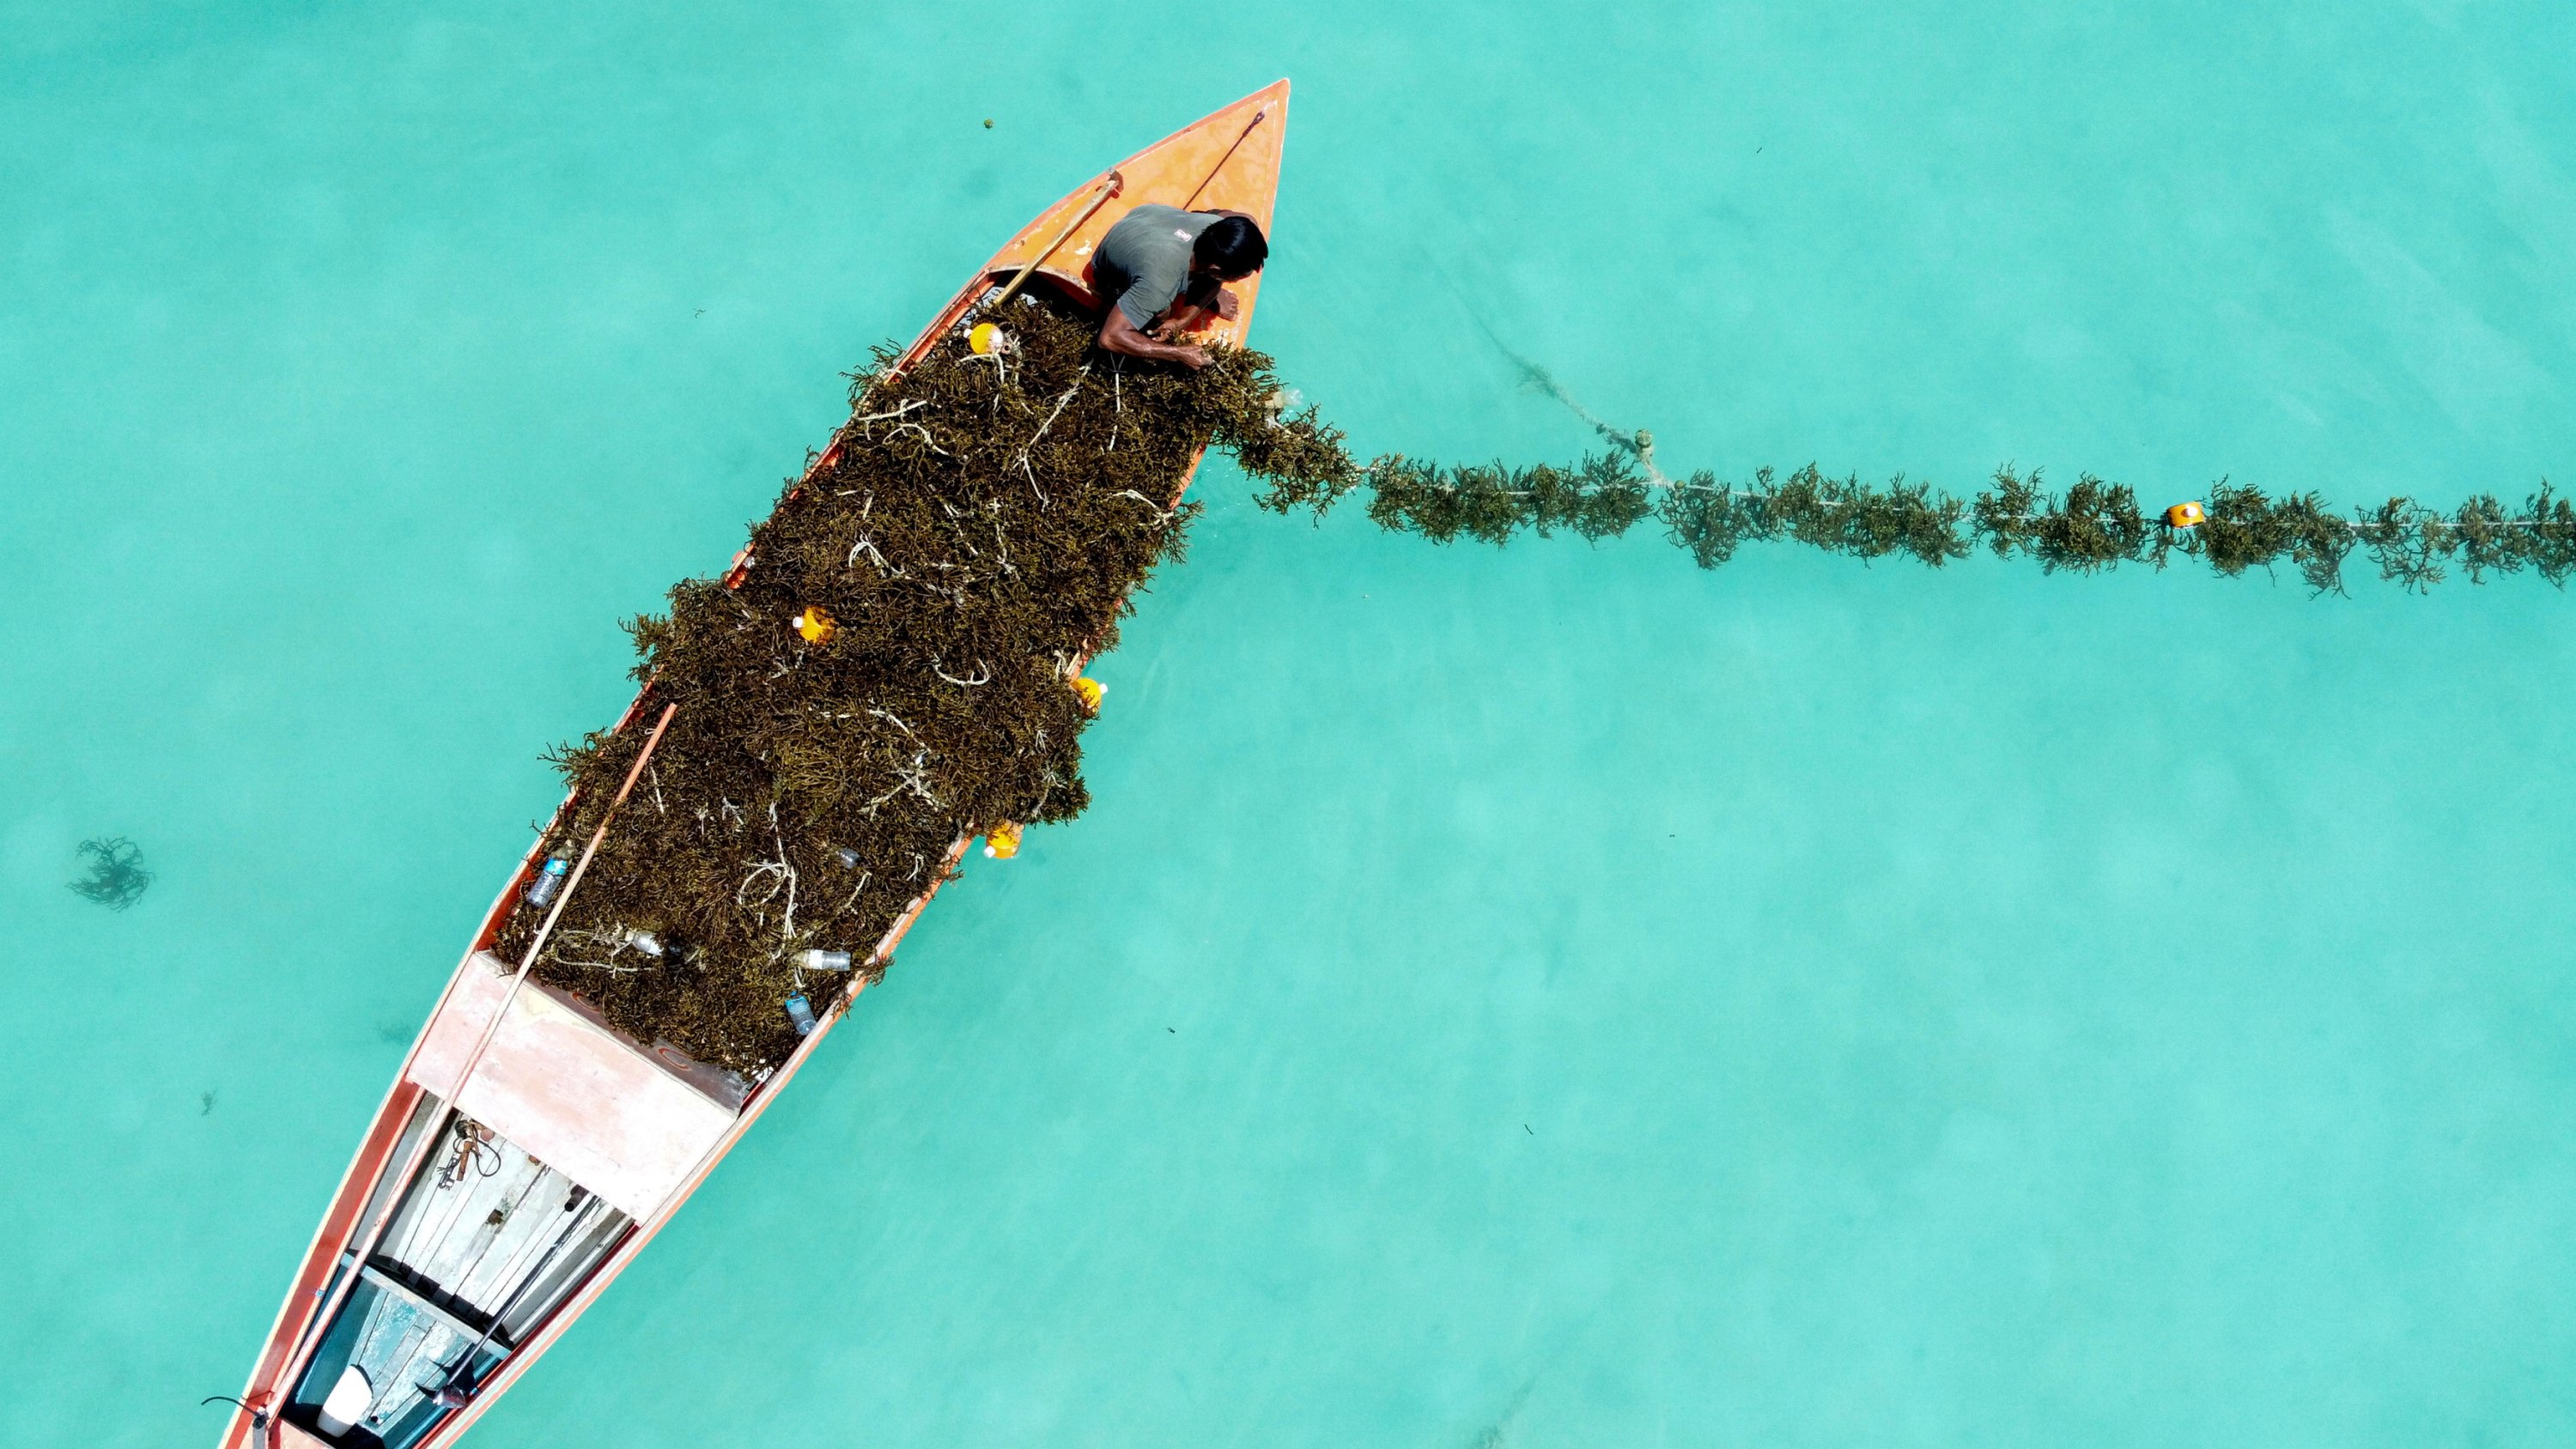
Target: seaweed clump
(115, 875)
(894, 672)
(2092, 526)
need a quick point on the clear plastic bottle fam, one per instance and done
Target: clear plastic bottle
(646, 942)
(801, 1012)
(822, 960)
(848, 858)
(549, 881)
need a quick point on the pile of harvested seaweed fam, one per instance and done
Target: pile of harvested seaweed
(977, 531)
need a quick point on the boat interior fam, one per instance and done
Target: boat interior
(531, 1171)
(485, 1242)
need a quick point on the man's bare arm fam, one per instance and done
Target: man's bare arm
(1190, 316)
(1119, 335)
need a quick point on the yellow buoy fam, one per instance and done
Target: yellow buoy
(815, 624)
(1002, 841)
(1091, 690)
(2186, 515)
(986, 339)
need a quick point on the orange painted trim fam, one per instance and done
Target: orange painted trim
(329, 1240)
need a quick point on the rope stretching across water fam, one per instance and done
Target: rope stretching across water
(2094, 525)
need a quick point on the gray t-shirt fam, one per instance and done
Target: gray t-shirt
(1144, 261)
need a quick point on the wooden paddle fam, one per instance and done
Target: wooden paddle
(1114, 185)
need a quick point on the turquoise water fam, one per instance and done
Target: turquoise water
(1546, 997)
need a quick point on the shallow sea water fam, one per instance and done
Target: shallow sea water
(1555, 996)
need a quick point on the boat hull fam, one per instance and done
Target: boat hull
(1227, 160)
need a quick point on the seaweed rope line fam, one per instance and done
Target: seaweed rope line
(2360, 528)
(572, 883)
(302, 1359)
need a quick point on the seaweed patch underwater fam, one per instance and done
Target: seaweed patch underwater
(115, 877)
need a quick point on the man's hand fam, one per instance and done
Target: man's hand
(1119, 335)
(1186, 317)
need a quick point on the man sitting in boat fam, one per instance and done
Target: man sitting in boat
(1162, 271)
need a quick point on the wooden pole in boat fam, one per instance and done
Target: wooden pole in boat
(1115, 184)
(375, 1231)
(1257, 118)
(572, 882)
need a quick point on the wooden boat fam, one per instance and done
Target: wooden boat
(527, 1151)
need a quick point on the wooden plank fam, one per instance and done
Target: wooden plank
(569, 1091)
(447, 1320)
(330, 1242)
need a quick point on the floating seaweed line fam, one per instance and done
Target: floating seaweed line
(2093, 525)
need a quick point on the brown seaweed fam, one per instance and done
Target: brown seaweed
(115, 877)
(2094, 525)
(980, 526)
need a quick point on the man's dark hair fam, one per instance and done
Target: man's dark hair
(1232, 247)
